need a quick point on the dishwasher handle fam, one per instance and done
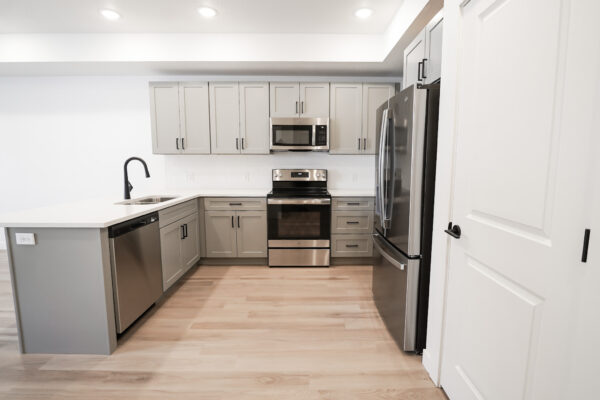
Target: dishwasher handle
(131, 225)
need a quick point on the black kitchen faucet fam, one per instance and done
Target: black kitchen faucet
(128, 185)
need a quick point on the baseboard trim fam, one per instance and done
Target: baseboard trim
(233, 261)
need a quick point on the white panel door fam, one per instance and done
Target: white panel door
(519, 197)
(413, 57)
(314, 100)
(345, 122)
(224, 118)
(164, 112)
(432, 69)
(254, 117)
(194, 117)
(374, 95)
(285, 99)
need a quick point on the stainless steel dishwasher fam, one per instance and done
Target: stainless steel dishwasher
(136, 267)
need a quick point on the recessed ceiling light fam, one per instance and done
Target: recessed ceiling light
(363, 13)
(207, 12)
(110, 14)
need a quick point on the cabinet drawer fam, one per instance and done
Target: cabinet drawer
(353, 203)
(175, 213)
(235, 203)
(351, 246)
(351, 222)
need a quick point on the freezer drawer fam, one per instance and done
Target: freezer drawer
(395, 291)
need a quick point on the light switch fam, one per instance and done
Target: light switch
(27, 239)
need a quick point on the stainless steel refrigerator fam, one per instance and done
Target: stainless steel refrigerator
(405, 183)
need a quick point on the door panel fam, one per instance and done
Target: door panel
(224, 118)
(374, 95)
(285, 99)
(345, 122)
(194, 117)
(254, 117)
(164, 110)
(251, 233)
(518, 197)
(220, 234)
(433, 51)
(314, 100)
(190, 246)
(170, 245)
(413, 55)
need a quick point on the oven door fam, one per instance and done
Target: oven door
(298, 222)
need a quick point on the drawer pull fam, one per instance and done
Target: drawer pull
(352, 222)
(351, 245)
(353, 204)
(235, 204)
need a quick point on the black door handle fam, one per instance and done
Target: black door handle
(419, 65)
(182, 232)
(453, 231)
(185, 231)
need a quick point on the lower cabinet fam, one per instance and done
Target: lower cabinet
(351, 246)
(236, 234)
(351, 226)
(180, 248)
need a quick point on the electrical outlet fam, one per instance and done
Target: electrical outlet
(26, 239)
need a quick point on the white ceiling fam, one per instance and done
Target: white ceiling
(180, 16)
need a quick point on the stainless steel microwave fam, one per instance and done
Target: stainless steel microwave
(300, 134)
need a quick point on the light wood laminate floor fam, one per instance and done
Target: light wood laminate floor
(233, 333)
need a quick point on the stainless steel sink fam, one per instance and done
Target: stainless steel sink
(147, 200)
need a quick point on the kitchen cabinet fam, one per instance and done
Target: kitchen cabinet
(254, 118)
(179, 240)
(351, 246)
(224, 117)
(374, 95)
(433, 49)
(345, 122)
(423, 56)
(352, 226)
(236, 234)
(179, 118)
(294, 100)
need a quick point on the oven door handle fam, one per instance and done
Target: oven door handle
(299, 201)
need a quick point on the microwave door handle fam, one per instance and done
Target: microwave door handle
(314, 135)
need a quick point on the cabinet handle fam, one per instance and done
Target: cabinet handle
(232, 225)
(352, 222)
(302, 107)
(182, 143)
(358, 143)
(423, 69)
(237, 143)
(365, 144)
(177, 143)
(238, 221)
(419, 71)
(243, 145)
(351, 245)
(296, 107)
(353, 204)
(182, 232)
(185, 229)
(235, 204)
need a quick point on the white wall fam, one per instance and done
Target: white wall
(66, 138)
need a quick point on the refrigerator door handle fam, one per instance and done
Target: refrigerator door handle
(381, 246)
(385, 202)
(380, 177)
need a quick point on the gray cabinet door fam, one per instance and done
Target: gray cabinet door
(190, 245)
(314, 100)
(220, 234)
(224, 118)
(170, 247)
(285, 99)
(433, 48)
(194, 117)
(164, 113)
(413, 55)
(346, 118)
(254, 117)
(374, 95)
(251, 233)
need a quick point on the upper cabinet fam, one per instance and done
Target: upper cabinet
(225, 117)
(179, 118)
(353, 116)
(423, 57)
(254, 118)
(292, 99)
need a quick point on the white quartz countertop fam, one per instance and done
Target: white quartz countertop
(102, 213)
